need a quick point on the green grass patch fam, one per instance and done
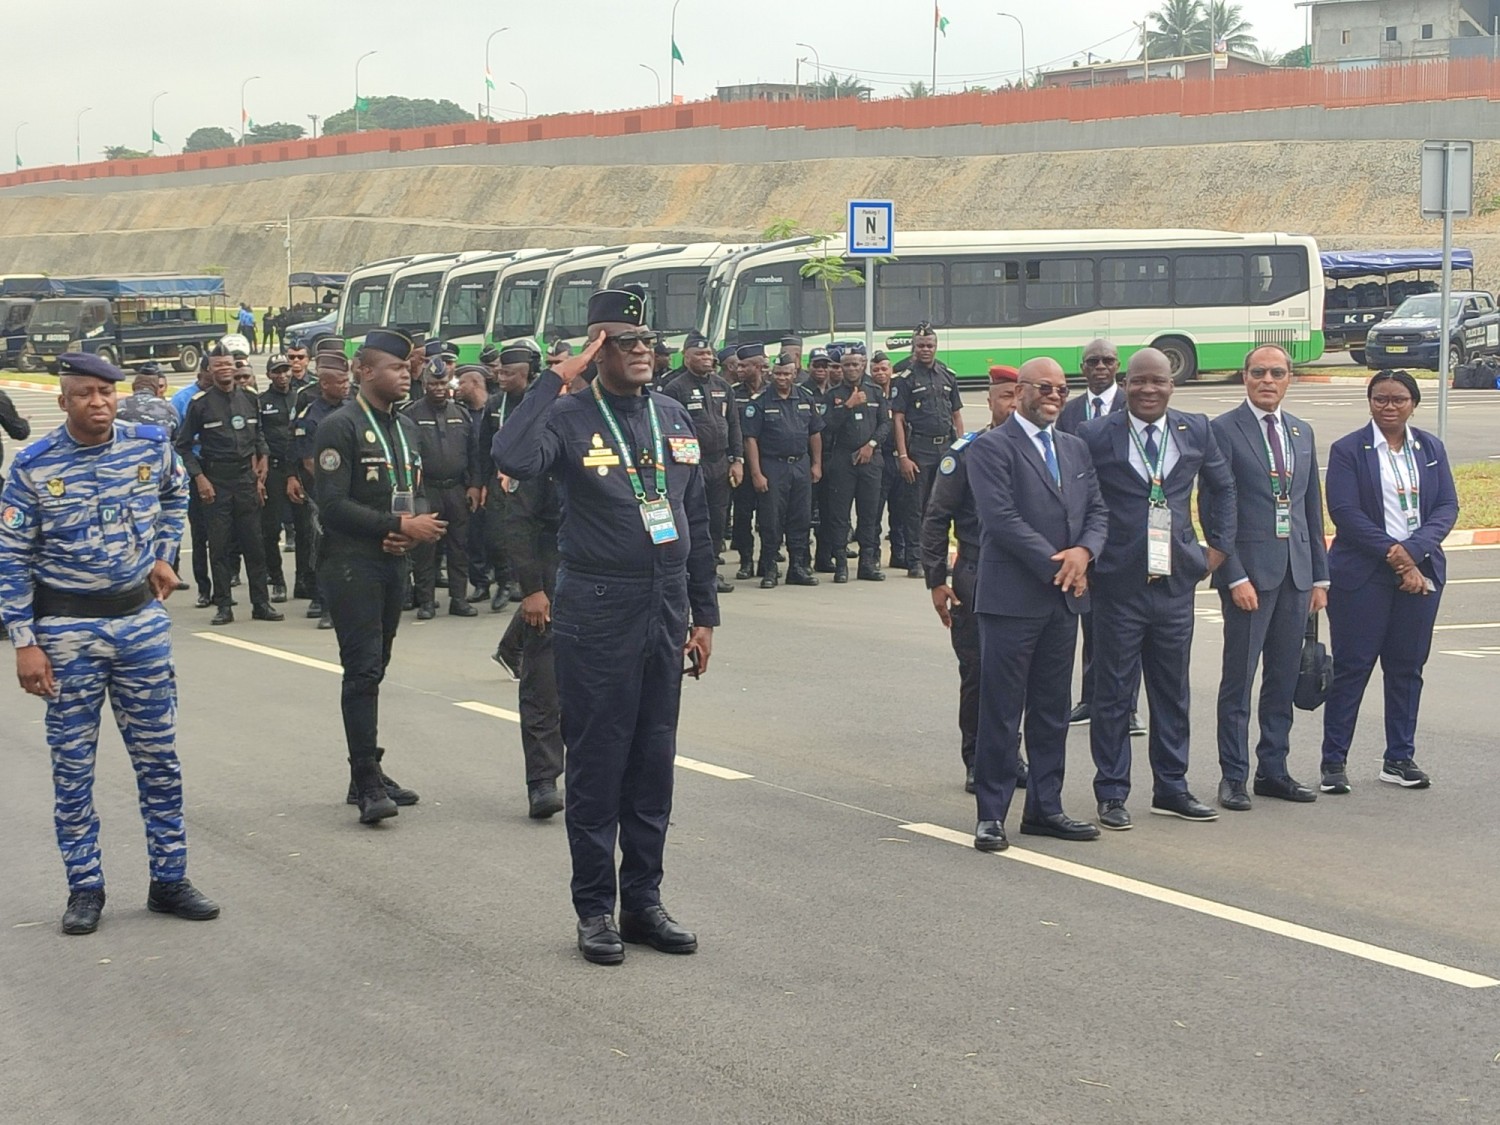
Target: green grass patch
(1478, 485)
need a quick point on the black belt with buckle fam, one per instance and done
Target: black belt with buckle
(445, 482)
(224, 466)
(789, 460)
(47, 602)
(944, 440)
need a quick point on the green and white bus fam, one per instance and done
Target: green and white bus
(416, 286)
(367, 290)
(574, 281)
(1202, 297)
(675, 279)
(465, 301)
(520, 292)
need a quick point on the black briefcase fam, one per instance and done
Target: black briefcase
(1315, 675)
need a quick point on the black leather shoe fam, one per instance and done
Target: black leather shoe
(1284, 788)
(1183, 805)
(500, 600)
(914, 571)
(204, 601)
(769, 582)
(840, 572)
(325, 621)
(851, 551)
(825, 566)
(426, 612)
(870, 572)
(82, 914)
(397, 792)
(235, 581)
(799, 577)
(1060, 825)
(969, 779)
(480, 594)
(599, 941)
(181, 585)
(1023, 775)
(1113, 815)
(719, 559)
(225, 616)
(746, 571)
(656, 928)
(457, 607)
(543, 800)
(266, 613)
(989, 836)
(508, 659)
(314, 609)
(299, 591)
(1078, 715)
(1137, 728)
(723, 585)
(278, 593)
(1232, 796)
(182, 899)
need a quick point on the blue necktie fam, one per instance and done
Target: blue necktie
(1049, 456)
(1098, 408)
(1153, 451)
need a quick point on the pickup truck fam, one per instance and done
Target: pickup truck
(126, 321)
(1409, 337)
(1367, 285)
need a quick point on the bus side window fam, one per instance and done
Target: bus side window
(1135, 282)
(1060, 283)
(985, 292)
(908, 293)
(1277, 275)
(1206, 278)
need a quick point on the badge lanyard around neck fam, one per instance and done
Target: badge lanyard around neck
(1409, 497)
(624, 447)
(390, 462)
(1158, 495)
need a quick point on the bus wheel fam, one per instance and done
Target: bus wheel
(187, 359)
(1182, 356)
(1357, 355)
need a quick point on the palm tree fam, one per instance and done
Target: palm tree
(1176, 31)
(835, 87)
(917, 89)
(1222, 20)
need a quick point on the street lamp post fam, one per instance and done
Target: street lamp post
(817, 60)
(17, 145)
(357, 61)
(153, 120)
(243, 117)
(652, 69)
(78, 135)
(671, 59)
(1307, 34)
(1022, 26)
(313, 117)
(525, 101)
(489, 81)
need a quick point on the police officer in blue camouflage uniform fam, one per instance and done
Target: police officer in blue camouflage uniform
(145, 405)
(88, 520)
(635, 597)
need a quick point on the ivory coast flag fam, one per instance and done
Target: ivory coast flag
(940, 20)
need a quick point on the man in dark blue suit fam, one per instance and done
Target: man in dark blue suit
(1147, 461)
(1276, 573)
(1042, 524)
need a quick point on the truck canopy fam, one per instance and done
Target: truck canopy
(316, 279)
(1343, 264)
(31, 287)
(146, 285)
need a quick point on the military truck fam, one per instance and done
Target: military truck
(127, 320)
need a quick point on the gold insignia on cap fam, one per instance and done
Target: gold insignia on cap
(56, 487)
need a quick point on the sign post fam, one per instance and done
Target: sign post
(872, 233)
(1447, 190)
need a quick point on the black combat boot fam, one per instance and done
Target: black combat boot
(394, 789)
(869, 567)
(747, 567)
(369, 791)
(840, 571)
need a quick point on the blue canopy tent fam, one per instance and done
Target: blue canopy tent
(317, 279)
(154, 286)
(1344, 264)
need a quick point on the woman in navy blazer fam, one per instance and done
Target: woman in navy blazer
(1391, 497)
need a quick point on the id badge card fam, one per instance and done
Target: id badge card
(1283, 519)
(403, 503)
(657, 517)
(1159, 541)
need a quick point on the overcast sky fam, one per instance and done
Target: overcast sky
(568, 54)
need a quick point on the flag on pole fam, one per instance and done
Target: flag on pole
(676, 54)
(156, 138)
(18, 160)
(362, 104)
(940, 20)
(489, 79)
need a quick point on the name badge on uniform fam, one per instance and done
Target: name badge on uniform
(1283, 519)
(1158, 541)
(685, 450)
(403, 503)
(109, 513)
(656, 515)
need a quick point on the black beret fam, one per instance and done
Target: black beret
(560, 347)
(617, 306)
(217, 351)
(791, 341)
(517, 353)
(695, 340)
(390, 341)
(726, 353)
(836, 351)
(150, 367)
(879, 357)
(490, 354)
(786, 359)
(472, 369)
(331, 362)
(80, 363)
(750, 351)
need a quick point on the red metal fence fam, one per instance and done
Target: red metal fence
(1278, 89)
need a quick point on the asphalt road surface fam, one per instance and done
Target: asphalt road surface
(859, 962)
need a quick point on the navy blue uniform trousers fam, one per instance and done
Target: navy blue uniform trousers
(1027, 665)
(784, 511)
(617, 645)
(1376, 622)
(964, 636)
(1147, 630)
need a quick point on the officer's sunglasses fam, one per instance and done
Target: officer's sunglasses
(629, 341)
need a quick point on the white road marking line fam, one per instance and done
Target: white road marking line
(1469, 581)
(1473, 547)
(712, 770)
(266, 650)
(1479, 625)
(493, 712)
(1250, 918)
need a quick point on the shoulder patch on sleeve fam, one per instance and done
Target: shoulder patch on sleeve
(947, 465)
(146, 431)
(329, 460)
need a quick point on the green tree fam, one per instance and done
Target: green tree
(1223, 20)
(835, 87)
(122, 152)
(917, 89)
(1297, 56)
(1175, 30)
(275, 131)
(208, 137)
(397, 113)
(826, 265)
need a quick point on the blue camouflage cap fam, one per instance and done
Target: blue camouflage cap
(81, 363)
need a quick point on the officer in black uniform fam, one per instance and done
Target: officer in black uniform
(710, 403)
(332, 387)
(890, 476)
(228, 473)
(792, 346)
(489, 360)
(445, 443)
(927, 415)
(278, 404)
(742, 498)
(952, 506)
(661, 365)
(820, 379)
(784, 450)
(368, 477)
(635, 597)
(857, 424)
(519, 363)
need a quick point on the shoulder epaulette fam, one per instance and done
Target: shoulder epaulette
(197, 396)
(33, 451)
(146, 431)
(962, 442)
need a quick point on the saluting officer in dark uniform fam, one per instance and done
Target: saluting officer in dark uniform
(710, 403)
(519, 363)
(856, 426)
(368, 474)
(744, 385)
(635, 595)
(927, 414)
(952, 506)
(445, 443)
(228, 472)
(784, 449)
(278, 405)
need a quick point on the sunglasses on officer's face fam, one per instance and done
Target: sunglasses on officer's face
(629, 341)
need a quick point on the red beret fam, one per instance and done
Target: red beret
(1004, 375)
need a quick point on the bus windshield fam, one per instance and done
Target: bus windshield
(568, 311)
(465, 304)
(515, 312)
(413, 300)
(364, 304)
